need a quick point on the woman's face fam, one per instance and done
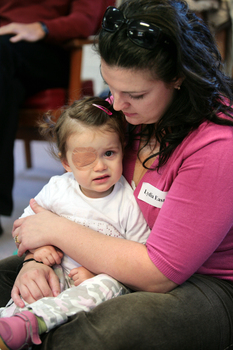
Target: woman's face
(142, 99)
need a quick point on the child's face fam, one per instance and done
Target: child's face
(95, 158)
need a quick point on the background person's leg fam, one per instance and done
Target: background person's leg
(12, 94)
(25, 68)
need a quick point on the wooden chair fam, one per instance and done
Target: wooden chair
(53, 99)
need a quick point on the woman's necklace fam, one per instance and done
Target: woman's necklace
(147, 151)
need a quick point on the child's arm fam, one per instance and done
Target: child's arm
(48, 255)
(80, 274)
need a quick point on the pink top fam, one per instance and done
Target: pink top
(193, 230)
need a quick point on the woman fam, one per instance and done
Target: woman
(164, 72)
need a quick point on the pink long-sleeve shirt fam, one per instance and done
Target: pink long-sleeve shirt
(192, 232)
(65, 19)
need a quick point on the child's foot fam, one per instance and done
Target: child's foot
(19, 331)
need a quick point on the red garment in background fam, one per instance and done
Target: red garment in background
(65, 19)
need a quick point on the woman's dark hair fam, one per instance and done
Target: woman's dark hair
(82, 113)
(191, 54)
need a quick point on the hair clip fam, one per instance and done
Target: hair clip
(103, 108)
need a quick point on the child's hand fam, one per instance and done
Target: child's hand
(80, 274)
(48, 255)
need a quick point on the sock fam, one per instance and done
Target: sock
(41, 323)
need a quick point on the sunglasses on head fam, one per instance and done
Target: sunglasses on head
(143, 34)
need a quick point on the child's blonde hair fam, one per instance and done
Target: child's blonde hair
(82, 113)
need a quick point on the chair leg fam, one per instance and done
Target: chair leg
(75, 85)
(221, 39)
(27, 148)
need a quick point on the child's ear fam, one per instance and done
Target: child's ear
(66, 165)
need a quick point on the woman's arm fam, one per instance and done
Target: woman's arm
(124, 260)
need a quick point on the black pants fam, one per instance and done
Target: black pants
(25, 68)
(197, 315)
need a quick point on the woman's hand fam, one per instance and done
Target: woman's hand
(34, 282)
(35, 231)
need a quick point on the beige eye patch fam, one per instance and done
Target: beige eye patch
(84, 157)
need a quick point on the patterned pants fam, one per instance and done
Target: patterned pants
(85, 297)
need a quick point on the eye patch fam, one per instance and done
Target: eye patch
(84, 157)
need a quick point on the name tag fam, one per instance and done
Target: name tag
(152, 195)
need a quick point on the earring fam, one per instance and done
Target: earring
(178, 88)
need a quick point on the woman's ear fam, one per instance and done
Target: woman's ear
(178, 83)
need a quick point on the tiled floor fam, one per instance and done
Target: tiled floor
(29, 182)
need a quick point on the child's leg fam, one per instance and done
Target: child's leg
(25, 326)
(84, 297)
(9, 310)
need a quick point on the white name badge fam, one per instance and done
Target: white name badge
(152, 195)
